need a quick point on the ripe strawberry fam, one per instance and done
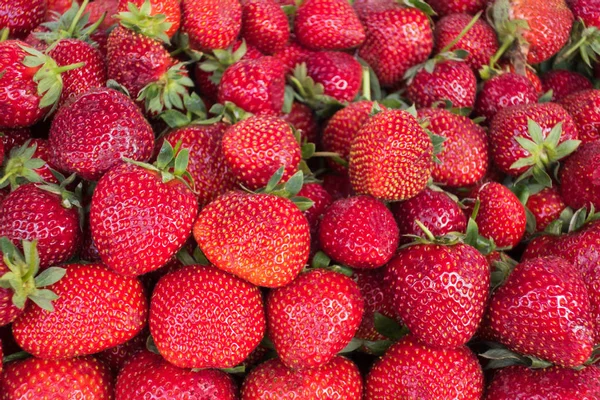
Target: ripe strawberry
(91, 134)
(480, 41)
(261, 238)
(21, 16)
(292, 55)
(116, 357)
(563, 83)
(83, 377)
(377, 300)
(321, 201)
(265, 25)
(98, 8)
(313, 318)
(257, 86)
(170, 10)
(339, 73)
(28, 163)
(546, 206)
(410, 369)
(391, 157)
(211, 24)
(530, 73)
(201, 317)
(397, 38)
(81, 324)
(148, 375)
(580, 183)
(584, 107)
(301, 117)
(519, 382)
(255, 148)
(359, 232)
(12, 138)
(328, 25)
(502, 91)
(464, 157)
(272, 380)
(446, 7)
(434, 209)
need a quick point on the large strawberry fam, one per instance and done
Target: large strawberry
(563, 82)
(142, 214)
(391, 157)
(21, 16)
(265, 25)
(313, 318)
(272, 380)
(584, 107)
(211, 24)
(96, 309)
(502, 91)
(410, 369)
(580, 183)
(202, 317)
(339, 73)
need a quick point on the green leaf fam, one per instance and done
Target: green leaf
(240, 369)
(546, 97)
(165, 155)
(535, 131)
(541, 176)
(308, 150)
(294, 184)
(151, 345)
(181, 162)
(388, 327)
(379, 347)
(200, 257)
(354, 344)
(44, 298)
(303, 203)
(50, 276)
(566, 148)
(321, 260)
(554, 136)
(531, 224)
(528, 145)
(275, 179)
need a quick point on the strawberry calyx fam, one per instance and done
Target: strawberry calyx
(501, 269)
(303, 88)
(20, 167)
(141, 20)
(499, 356)
(584, 41)
(73, 24)
(221, 59)
(181, 41)
(69, 199)
(229, 112)
(571, 221)
(195, 113)
(23, 278)
(437, 141)
(288, 190)
(168, 91)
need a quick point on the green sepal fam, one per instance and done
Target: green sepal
(377, 348)
(389, 327)
(240, 369)
(501, 357)
(220, 60)
(323, 261)
(69, 199)
(312, 94)
(20, 355)
(181, 41)
(501, 270)
(546, 97)
(354, 345)
(168, 92)
(230, 112)
(585, 43)
(141, 20)
(151, 345)
(73, 24)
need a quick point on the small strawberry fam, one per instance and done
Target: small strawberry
(563, 83)
(313, 318)
(107, 9)
(169, 9)
(410, 369)
(21, 16)
(302, 118)
(502, 91)
(359, 232)
(81, 324)
(339, 73)
(580, 182)
(202, 317)
(265, 25)
(546, 206)
(272, 380)
(377, 300)
(211, 24)
(446, 7)
(584, 107)
(293, 54)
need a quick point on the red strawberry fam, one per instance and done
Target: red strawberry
(96, 309)
(391, 157)
(563, 83)
(292, 55)
(211, 24)
(584, 107)
(12, 138)
(579, 176)
(321, 200)
(149, 375)
(464, 157)
(261, 238)
(57, 7)
(201, 317)
(359, 232)
(83, 377)
(501, 216)
(98, 8)
(339, 73)
(546, 206)
(255, 148)
(21, 16)
(434, 209)
(313, 318)
(502, 91)
(265, 25)
(272, 380)
(410, 369)
(445, 7)
(257, 86)
(480, 41)
(116, 357)
(328, 25)
(302, 119)
(170, 10)
(91, 134)
(376, 299)
(530, 73)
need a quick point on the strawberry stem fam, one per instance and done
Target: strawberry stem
(65, 68)
(509, 40)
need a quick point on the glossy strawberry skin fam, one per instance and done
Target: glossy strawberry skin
(580, 183)
(31, 213)
(272, 380)
(91, 135)
(85, 377)
(410, 369)
(526, 314)
(80, 323)
(138, 222)
(446, 7)
(202, 317)
(563, 83)
(359, 232)
(339, 73)
(267, 238)
(313, 318)
(586, 10)
(502, 91)
(264, 25)
(21, 16)
(377, 300)
(546, 206)
(584, 107)
(255, 148)
(169, 8)
(211, 24)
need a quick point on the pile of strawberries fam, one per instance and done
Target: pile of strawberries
(312, 199)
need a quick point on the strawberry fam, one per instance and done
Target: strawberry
(501, 216)
(261, 238)
(81, 324)
(502, 91)
(397, 38)
(338, 186)
(580, 184)
(21, 16)
(202, 317)
(434, 209)
(57, 7)
(293, 54)
(584, 107)
(301, 117)
(27, 163)
(116, 357)
(142, 214)
(530, 73)
(12, 138)
(518, 382)
(563, 83)
(97, 10)
(148, 375)
(272, 380)
(377, 300)
(92, 133)
(83, 377)
(446, 7)
(255, 148)
(587, 11)
(257, 86)
(313, 318)
(328, 25)
(321, 201)
(170, 10)
(410, 369)
(339, 73)
(480, 40)
(525, 315)
(391, 157)
(211, 24)
(546, 206)
(464, 158)
(359, 232)
(265, 25)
